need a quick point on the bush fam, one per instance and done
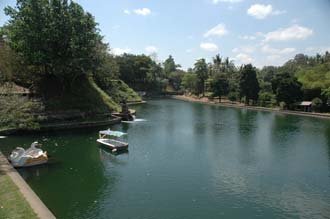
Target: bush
(232, 96)
(283, 105)
(267, 99)
(19, 112)
(317, 104)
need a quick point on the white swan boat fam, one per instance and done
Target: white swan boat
(29, 157)
(113, 144)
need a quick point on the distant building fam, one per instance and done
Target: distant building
(305, 106)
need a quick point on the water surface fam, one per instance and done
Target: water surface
(189, 160)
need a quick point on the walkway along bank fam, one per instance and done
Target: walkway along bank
(33, 200)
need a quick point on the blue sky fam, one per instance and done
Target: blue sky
(260, 32)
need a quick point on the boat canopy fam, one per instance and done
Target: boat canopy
(112, 133)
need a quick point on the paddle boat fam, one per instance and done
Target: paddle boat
(32, 156)
(111, 143)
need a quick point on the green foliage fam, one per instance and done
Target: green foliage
(201, 69)
(315, 77)
(170, 66)
(220, 86)
(317, 104)
(108, 70)
(233, 96)
(19, 112)
(84, 96)
(248, 83)
(267, 99)
(287, 88)
(326, 94)
(189, 83)
(119, 92)
(283, 105)
(139, 71)
(54, 38)
(175, 79)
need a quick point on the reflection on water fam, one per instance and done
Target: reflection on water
(190, 160)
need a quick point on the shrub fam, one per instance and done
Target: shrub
(317, 104)
(267, 99)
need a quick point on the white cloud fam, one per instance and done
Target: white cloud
(277, 52)
(244, 49)
(260, 11)
(127, 11)
(119, 51)
(218, 30)
(211, 47)
(295, 32)
(142, 11)
(243, 58)
(247, 37)
(151, 49)
(227, 1)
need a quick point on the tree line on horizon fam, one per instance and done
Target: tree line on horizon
(301, 78)
(55, 48)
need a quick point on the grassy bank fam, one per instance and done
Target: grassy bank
(12, 203)
(84, 96)
(120, 91)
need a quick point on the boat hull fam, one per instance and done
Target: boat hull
(113, 144)
(31, 162)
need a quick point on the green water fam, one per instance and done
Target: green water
(189, 160)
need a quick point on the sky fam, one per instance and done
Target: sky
(247, 31)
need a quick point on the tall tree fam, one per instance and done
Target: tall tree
(248, 83)
(287, 88)
(170, 66)
(57, 39)
(201, 70)
(220, 86)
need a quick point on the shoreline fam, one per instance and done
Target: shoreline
(30, 196)
(205, 100)
(62, 126)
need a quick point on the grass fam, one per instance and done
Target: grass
(86, 96)
(12, 203)
(119, 91)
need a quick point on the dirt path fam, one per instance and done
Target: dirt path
(205, 100)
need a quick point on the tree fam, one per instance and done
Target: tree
(287, 88)
(189, 82)
(175, 79)
(220, 86)
(201, 70)
(170, 66)
(326, 94)
(57, 40)
(248, 83)
(267, 99)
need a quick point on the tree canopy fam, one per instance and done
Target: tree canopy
(55, 39)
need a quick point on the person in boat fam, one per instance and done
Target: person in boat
(126, 114)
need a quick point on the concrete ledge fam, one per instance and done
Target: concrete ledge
(36, 204)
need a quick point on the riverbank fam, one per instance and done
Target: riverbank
(206, 100)
(64, 126)
(17, 199)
